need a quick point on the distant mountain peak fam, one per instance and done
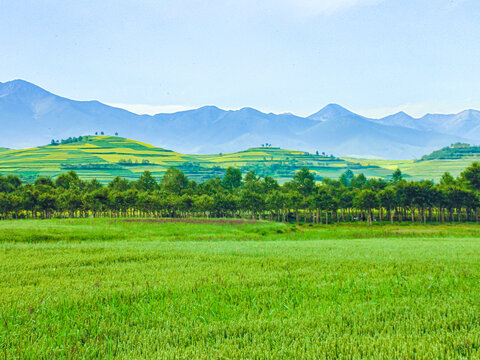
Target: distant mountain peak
(469, 112)
(20, 84)
(209, 107)
(335, 108)
(331, 111)
(21, 87)
(401, 115)
(249, 111)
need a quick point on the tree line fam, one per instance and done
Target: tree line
(350, 198)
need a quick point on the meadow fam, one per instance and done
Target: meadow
(112, 288)
(105, 157)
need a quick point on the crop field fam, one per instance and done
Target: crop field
(116, 288)
(421, 170)
(104, 157)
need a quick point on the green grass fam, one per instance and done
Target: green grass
(103, 288)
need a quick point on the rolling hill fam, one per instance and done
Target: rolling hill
(104, 157)
(30, 115)
(453, 159)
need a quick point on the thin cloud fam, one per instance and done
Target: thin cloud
(143, 109)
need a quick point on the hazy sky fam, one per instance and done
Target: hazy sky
(371, 56)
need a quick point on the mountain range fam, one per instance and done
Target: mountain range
(30, 115)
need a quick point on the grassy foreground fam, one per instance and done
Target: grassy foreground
(115, 289)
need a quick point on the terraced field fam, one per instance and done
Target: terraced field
(104, 157)
(420, 169)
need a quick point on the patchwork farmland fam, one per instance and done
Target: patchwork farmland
(105, 157)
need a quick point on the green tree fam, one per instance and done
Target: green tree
(472, 176)
(304, 181)
(347, 177)
(174, 181)
(119, 184)
(397, 176)
(387, 199)
(358, 182)
(68, 180)
(447, 180)
(232, 178)
(44, 181)
(146, 182)
(366, 200)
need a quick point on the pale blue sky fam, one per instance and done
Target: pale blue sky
(372, 56)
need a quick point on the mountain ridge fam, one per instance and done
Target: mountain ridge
(30, 115)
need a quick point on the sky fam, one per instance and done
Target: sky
(374, 57)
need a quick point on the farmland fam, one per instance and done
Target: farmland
(104, 157)
(421, 170)
(110, 289)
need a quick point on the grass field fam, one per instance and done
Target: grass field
(101, 288)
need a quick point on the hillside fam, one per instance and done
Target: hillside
(92, 157)
(454, 159)
(455, 151)
(30, 115)
(104, 157)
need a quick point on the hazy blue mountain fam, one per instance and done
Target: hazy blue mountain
(334, 111)
(210, 130)
(465, 124)
(399, 119)
(31, 116)
(343, 132)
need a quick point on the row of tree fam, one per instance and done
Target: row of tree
(350, 198)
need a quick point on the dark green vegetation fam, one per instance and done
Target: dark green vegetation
(105, 157)
(351, 198)
(455, 151)
(107, 288)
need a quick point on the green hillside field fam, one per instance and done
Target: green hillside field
(454, 159)
(104, 157)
